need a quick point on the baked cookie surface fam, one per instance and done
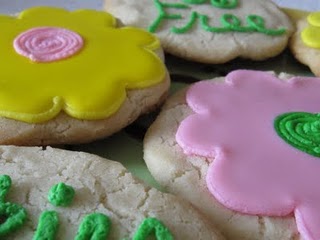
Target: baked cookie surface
(73, 77)
(100, 187)
(234, 148)
(209, 31)
(305, 41)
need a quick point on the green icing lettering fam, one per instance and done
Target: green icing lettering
(224, 3)
(229, 22)
(47, 226)
(216, 3)
(95, 226)
(14, 214)
(163, 15)
(301, 130)
(194, 1)
(152, 226)
(61, 195)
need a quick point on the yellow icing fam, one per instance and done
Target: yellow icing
(89, 85)
(311, 34)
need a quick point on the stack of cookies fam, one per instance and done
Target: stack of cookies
(79, 77)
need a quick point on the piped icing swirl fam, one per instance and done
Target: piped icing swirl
(48, 44)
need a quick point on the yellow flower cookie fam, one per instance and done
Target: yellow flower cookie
(70, 77)
(90, 83)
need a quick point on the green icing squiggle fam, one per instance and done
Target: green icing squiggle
(301, 130)
(152, 226)
(229, 22)
(194, 1)
(47, 226)
(15, 215)
(163, 15)
(216, 3)
(224, 3)
(94, 226)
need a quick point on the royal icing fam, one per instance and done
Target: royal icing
(90, 83)
(93, 226)
(48, 226)
(48, 44)
(150, 226)
(15, 214)
(311, 34)
(228, 21)
(263, 134)
(61, 195)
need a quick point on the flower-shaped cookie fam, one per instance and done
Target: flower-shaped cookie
(311, 34)
(85, 69)
(264, 134)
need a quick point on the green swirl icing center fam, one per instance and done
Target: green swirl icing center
(301, 130)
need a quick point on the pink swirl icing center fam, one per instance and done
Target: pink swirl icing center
(48, 44)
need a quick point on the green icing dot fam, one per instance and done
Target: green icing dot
(61, 195)
(152, 226)
(301, 130)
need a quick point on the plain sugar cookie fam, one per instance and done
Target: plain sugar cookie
(209, 31)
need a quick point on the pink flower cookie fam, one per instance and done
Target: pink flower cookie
(249, 144)
(255, 171)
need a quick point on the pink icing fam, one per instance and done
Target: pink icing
(255, 171)
(48, 44)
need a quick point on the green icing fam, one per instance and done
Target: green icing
(215, 3)
(95, 226)
(224, 3)
(163, 15)
(152, 226)
(5, 184)
(14, 214)
(61, 195)
(301, 130)
(47, 226)
(229, 22)
(194, 1)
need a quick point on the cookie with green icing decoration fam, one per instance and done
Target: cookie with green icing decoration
(87, 197)
(210, 31)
